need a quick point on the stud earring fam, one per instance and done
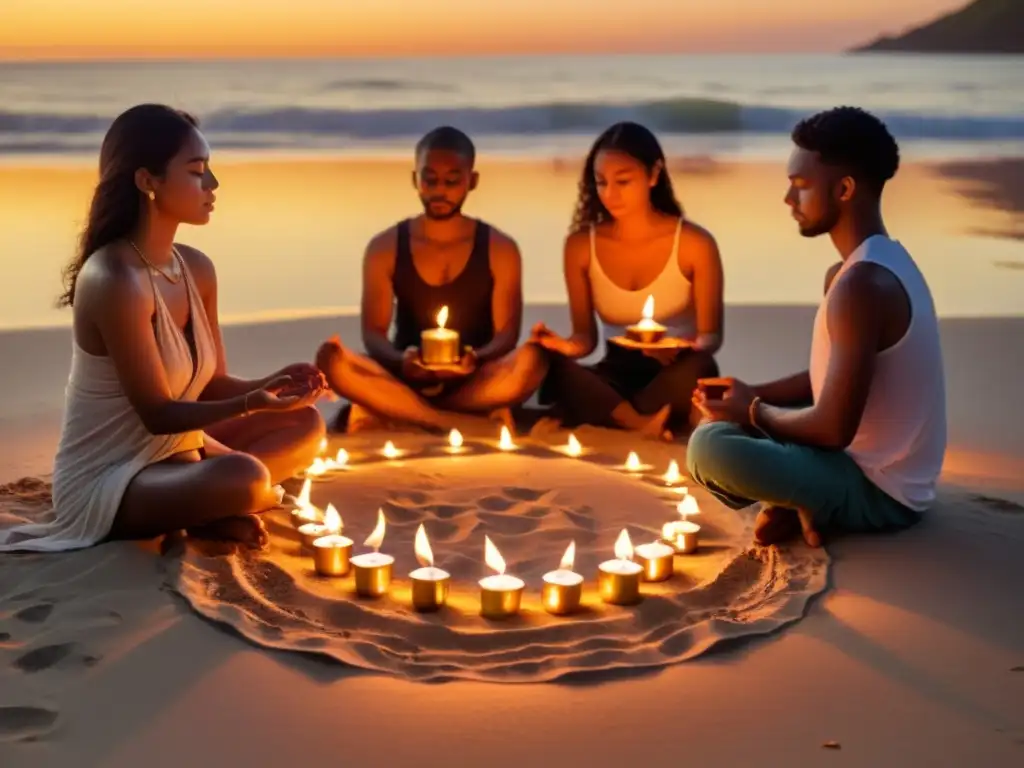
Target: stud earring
(152, 195)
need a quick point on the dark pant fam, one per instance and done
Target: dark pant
(588, 394)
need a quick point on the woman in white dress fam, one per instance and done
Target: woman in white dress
(157, 436)
(629, 242)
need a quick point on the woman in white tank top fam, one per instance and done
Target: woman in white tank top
(154, 438)
(629, 244)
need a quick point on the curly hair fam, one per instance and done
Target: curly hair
(639, 143)
(854, 140)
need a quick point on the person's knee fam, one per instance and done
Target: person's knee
(531, 366)
(247, 480)
(708, 449)
(309, 425)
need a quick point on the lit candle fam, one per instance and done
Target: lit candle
(683, 535)
(338, 462)
(373, 569)
(633, 463)
(455, 442)
(440, 346)
(563, 588)
(657, 560)
(304, 511)
(672, 475)
(331, 554)
(429, 584)
(310, 532)
(572, 447)
(505, 441)
(390, 452)
(501, 594)
(318, 469)
(647, 331)
(618, 580)
(323, 446)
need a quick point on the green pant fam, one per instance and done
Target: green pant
(740, 469)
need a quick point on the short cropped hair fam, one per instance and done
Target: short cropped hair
(448, 139)
(853, 139)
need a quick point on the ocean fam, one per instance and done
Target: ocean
(719, 105)
(314, 157)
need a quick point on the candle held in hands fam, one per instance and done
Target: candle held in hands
(440, 346)
(647, 331)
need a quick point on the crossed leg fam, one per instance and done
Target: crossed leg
(220, 496)
(802, 488)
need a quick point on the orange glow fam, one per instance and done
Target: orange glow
(66, 29)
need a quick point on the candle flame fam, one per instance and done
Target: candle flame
(688, 506)
(573, 447)
(623, 546)
(318, 467)
(648, 310)
(332, 520)
(323, 445)
(303, 501)
(341, 459)
(672, 475)
(569, 557)
(422, 547)
(505, 443)
(442, 316)
(376, 538)
(633, 462)
(493, 557)
(455, 439)
(390, 451)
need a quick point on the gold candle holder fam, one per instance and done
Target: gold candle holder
(683, 536)
(429, 588)
(562, 592)
(500, 596)
(373, 573)
(440, 346)
(618, 582)
(657, 560)
(331, 555)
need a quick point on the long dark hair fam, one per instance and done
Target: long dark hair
(639, 143)
(145, 136)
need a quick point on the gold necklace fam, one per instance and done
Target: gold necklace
(172, 277)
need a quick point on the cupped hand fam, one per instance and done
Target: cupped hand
(413, 368)
(284, 393)
(547, 339)
(733, 406)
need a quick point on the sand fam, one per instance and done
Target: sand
(912, 655)
(532, 502)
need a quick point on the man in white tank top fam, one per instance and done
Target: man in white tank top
(855, 442)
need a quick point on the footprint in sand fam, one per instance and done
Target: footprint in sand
(581, 518)
(40, 659)
(999, 505)
(446, 511)
(508, 525)
(21, 723)
(496, 503)
(35, 614)
(524, 494)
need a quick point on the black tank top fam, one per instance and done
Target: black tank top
(468, 296)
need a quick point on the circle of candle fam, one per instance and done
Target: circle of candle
(317, 470)
(672, 475)
(657, 560)
(389, 451)
(563, 588)
(429, 584)
(618, 581)
(440, 346)
(572, 447)
(455, 442)
(331, 554)
(500, 594)
(373, 569)
(633, 464)
(647, 331)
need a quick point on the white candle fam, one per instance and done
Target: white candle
(502, 582)
(390, 452)
(653, 550)
(563, 578)
(621, 567)
(672, 475)
(372, 560)
(455, 442)
(440, 346)
(505, 442)
(429, 573)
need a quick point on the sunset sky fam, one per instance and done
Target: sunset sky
(62, 29)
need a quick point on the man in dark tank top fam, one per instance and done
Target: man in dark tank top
(441, 258)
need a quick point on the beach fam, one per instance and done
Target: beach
(904, 650)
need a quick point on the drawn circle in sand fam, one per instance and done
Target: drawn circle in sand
(531, 504)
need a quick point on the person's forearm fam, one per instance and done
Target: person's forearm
(225, 387)
(499, 346)
(579, 345)
(178, 416)
(791, 391)
(380, 348)
(803, 426)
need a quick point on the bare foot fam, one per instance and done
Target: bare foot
(361, 419)
(775, 525)
(247, 530)
(654, 429)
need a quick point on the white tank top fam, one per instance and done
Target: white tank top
(616, 308)
(901, 440)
